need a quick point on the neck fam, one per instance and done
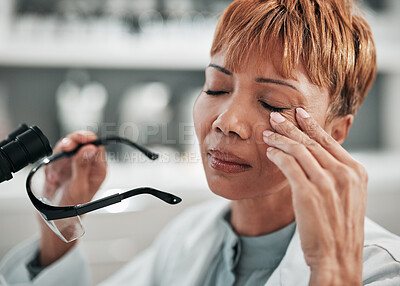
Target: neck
(260, 216)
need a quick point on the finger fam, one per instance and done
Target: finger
(288, 129)
(317, 133)
(65, 144)
(83, 136)
(82, 161)
(303, 156)
(289, 167)
(61, 169)
(72, 140)
(306, 198)
(81, 166)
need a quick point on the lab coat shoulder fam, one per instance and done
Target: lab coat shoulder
(381, 256)
(71, 269)
(182, 251)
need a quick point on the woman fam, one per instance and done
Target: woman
(284, 82)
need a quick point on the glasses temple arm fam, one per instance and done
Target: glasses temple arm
(148, 153)
(106, 140)
(116, 198)
(166, 197)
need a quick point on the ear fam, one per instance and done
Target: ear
(339, 127)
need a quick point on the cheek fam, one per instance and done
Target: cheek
(202, 117)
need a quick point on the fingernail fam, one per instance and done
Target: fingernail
(277, 117)
(267, 133)
(66, 141)
(302, 113)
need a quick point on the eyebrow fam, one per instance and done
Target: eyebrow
(221, 69)
(276, 81)
(259, 80)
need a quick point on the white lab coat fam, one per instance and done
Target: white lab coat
(183, 252)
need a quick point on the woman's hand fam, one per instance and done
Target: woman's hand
(78, 177)
(329, 197)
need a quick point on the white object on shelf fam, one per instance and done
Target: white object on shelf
(44, 42)
(80, 108)
(6, 11)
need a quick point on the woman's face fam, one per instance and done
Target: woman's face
(232, 112)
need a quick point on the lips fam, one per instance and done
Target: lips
(227, 162)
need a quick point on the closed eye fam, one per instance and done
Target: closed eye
(264, 104)
(272, 108)
(215, 92)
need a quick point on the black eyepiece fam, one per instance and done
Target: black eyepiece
(23, 146)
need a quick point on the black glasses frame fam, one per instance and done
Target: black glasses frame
(60, 212)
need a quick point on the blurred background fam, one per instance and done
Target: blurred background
(134, 68)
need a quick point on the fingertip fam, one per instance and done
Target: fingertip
(66, 144)
(83, 136)
(302, 113)
(269, 151)
(277, 117)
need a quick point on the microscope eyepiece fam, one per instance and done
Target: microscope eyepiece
(23, 146)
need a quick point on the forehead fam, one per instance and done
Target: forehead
(261, 67)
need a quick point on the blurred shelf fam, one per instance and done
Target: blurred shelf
(32, 41)
(175, 54)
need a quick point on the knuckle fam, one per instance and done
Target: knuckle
(286, 128)
(362, 172)
(340, 169)
(311, 144)
(312, 198)
(291, 128)
(346, 176)
(273, 137)
(325, 181)
(312, 128)
(300, 149)
(296, 147)
(342, 175)
(326, 140)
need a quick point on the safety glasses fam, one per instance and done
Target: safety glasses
(64, 220)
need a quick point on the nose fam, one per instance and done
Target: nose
(234, 119)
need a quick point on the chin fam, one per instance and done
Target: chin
(231, 190)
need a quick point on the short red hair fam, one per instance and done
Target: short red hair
(333, 41)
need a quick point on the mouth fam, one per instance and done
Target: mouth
(227, 162)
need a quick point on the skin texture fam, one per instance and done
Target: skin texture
(298, 169)
(305, 174)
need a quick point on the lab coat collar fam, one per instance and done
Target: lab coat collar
(205, 237)
(293, 270)
(203, 243)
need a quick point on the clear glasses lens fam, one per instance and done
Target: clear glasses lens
(60, 190)
(55, 190)
(68, 229)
